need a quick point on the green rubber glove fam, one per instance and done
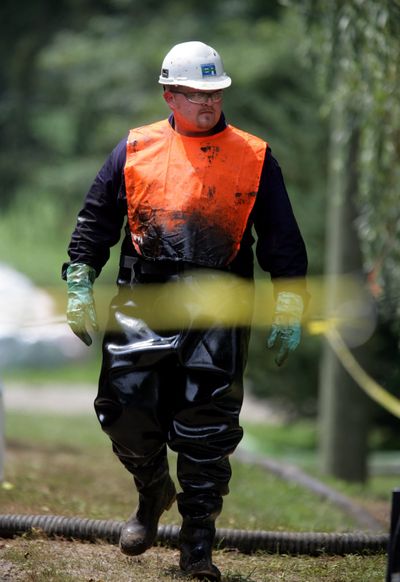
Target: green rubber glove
(81, 308)
(286, 325)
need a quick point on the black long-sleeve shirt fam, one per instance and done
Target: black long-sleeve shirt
(280, 248)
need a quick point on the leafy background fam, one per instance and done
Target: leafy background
(312, 77)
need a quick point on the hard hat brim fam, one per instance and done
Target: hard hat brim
(203, 85)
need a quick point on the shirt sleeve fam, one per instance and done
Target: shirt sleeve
(280, 247)
(101, 219)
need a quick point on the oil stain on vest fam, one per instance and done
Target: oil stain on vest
(211, 151)
(241, 198)
(211, 191)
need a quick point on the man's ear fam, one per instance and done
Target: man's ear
(169, 99)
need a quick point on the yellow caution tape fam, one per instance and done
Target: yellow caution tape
(228, 300)
(368, 384)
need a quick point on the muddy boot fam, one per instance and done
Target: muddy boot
(196, 539)
(139, 533)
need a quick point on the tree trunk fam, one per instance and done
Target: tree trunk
(343, 407)
(2, 445)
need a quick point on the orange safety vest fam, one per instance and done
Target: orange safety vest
(189, 198)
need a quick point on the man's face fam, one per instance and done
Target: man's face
(192, 118)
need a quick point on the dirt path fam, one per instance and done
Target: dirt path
(64, 399)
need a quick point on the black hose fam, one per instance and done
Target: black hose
(242, 540)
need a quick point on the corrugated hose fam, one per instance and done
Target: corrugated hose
(310, 543)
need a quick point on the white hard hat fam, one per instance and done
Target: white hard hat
(194, 64)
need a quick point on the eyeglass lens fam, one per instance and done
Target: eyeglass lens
(201, 97)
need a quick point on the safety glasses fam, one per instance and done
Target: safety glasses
(202, 97)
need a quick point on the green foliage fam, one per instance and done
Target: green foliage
(358, 47)
(96, 77)
(82, 73)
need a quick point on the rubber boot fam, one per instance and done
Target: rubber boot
(139, 533)
(196, 540)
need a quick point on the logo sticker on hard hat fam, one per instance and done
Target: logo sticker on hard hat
(208, 70)
(165, 73)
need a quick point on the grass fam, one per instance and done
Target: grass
(297, 443)
(85, 478)
(68, 562)
(80, 372)
(42, 250)
(72, 440)
(64, 465)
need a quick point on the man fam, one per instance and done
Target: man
(191, 188)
